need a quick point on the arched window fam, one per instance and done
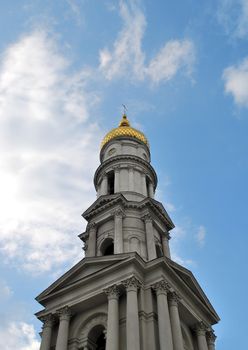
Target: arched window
(107, 247)
(159, 252)
(111, 182)
(96, 338)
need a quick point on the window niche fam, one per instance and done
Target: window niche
(107, 247)
(111, 182)
(159, 251)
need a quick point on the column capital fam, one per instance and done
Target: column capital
(48, 320)
(119, 213)
(91, 226)
(112, 292)
(166, 235)
(161, 287)
(200, 328)
(173, 298)
(147, 218)
(131, 283)
(64, 313)
(211, 337)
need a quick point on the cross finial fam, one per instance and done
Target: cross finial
(124, 109)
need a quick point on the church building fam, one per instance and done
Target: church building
(126, 293)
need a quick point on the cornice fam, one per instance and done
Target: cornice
(119, 198)
(118, 158)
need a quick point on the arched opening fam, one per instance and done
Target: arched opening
(159, 251)
(96, 338)
(107, 247)
(111, 182)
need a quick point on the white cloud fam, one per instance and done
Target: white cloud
(236, 82)
(127, 52)
(127, 59)
(48, 155)
(175, 55)
(201, 235)
(18, 335)
(233, 15)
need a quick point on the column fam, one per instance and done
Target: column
(177, 337)
(151, 251)
(104, 184)
(164, 325)
(64, 321)
(211, 337)
(113, 318)
(91, 249)
(130, 179)
(151, 190)
(117, 179)
(165, 244)
(118, 239)
(200, 330)
(132, 317)
(48, 322)
(143, 184)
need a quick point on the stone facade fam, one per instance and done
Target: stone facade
(127, 293)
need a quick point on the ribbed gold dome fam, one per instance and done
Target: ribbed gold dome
(124, 129)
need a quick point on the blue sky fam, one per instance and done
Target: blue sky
(66, 67)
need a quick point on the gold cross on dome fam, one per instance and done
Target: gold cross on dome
(124, 109)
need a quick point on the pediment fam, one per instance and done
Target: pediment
(188, 278)
(102, 202)
(86, 268)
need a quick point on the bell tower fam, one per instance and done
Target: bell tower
(128, 218)
(126, 293)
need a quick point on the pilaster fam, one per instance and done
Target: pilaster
(165, 335)
(48, 322)
(200, 330)
(118, 234)
(151, 251)
(211, 337)
(91, 249)
(177, 337)
(113, 318)
(132, 316)
(64, 321)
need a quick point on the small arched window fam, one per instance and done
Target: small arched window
(111, 182)
(159, 252)
(107, 247)
(96, 338)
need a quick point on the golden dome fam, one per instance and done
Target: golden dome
(124, 129)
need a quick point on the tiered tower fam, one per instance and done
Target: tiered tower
(127, 293)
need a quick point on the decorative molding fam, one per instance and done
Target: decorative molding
(112, 292)
(98, 319)
(161, 287)
(211, 337)
(200, 328)
(91, 226)
(147, 218)
(125, 158)
(103, 205)
(48, 320)
(131, 283)
(174, 298)
(64, 313)
(118, 212)
(84, 236)
(85, 247)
